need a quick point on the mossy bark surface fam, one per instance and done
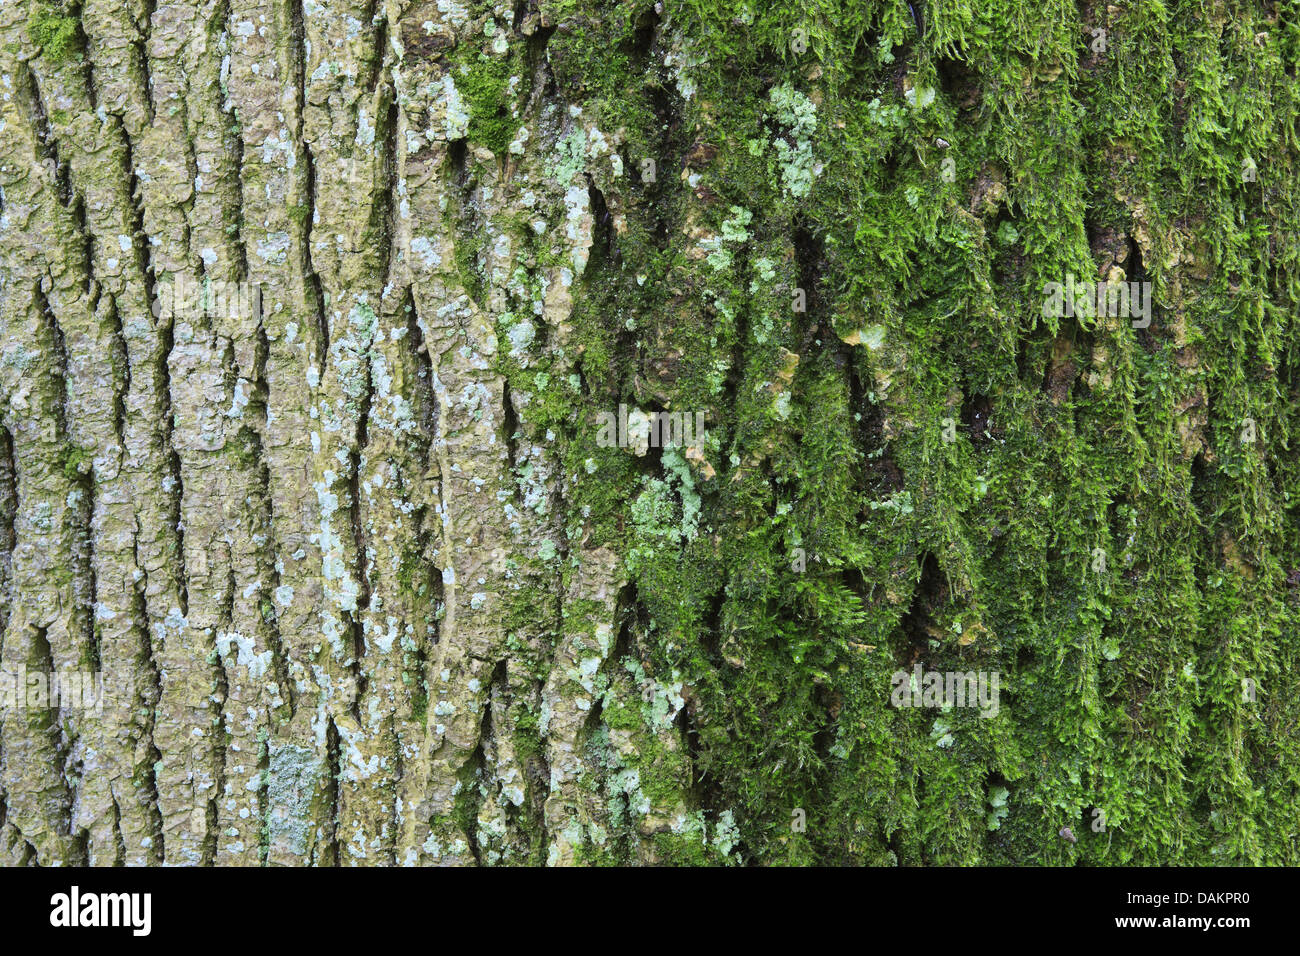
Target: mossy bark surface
(365, 582)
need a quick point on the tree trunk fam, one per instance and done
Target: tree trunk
(333, 335)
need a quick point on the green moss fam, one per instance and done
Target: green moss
(55, 33)
(921, 189)
(420, 703)
(76, 462)
(483, 82)
(527, 736)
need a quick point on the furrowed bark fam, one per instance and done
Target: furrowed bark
(315, 317)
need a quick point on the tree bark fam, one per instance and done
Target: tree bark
(315, 318)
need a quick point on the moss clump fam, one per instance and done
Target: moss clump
(76, 462)
(921, 187)
(54, 33)
(420, 704)
(484, 83)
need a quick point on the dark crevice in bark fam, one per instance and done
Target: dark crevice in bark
(379, 50)
(629, 615)
(654, 198)
(558, 525)
(8, 537)
(604, 252)
(537, 775)
(329, 855)
(140, 45)
(384, 214)
(437, 594)
(894, 841)
(81, 44)
(457, 151)
(826, 705)
(427, 411)
(865, 433)
(960, 84)
(80, 839)
(510, 436)
(87, 238)
(313, 291)
(1135, 271)
(119, 843)
(810, 263)
(85, 582)
(640, 45)
(120, 360)
(914, 628)
(494, 703)
(9, 835)
(467, 223)
(146, 695)
(191, 171)
(172, 483)
(211, 823)
(356, 635)
(1204, 482)
(976, 415)
(52, 721)
(263, 801)
(30, 856)
(537, 42)
(218, 724)
(80, 501)
(268, 563)
(359, 546)
(539, 67)
(388, 224)
(139, 237)
(45, 140)
(394, 818)
(231, 159)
